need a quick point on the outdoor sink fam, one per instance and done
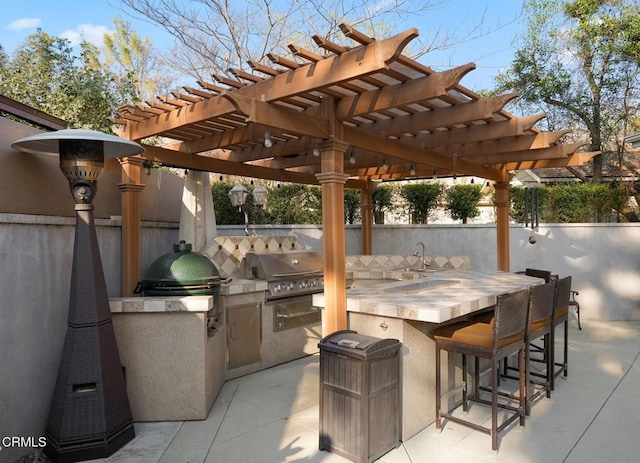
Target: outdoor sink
(410, 269)
(423, 285)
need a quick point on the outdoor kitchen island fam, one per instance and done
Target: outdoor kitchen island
(409, 310)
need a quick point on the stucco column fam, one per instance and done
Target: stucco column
(366, 212)
(332, 180)
(502, 205)
(131, 223)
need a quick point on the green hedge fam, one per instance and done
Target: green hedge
(572, 203)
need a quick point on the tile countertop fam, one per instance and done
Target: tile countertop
(461, 292)
(184, 303)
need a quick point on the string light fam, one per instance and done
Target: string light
(267, 139)
(412, 170)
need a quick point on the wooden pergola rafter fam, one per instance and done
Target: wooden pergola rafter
(394, 117)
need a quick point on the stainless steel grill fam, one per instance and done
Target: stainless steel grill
(290, 273)
(292, 277)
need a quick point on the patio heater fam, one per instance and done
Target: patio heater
(90, 415)
(239, 195)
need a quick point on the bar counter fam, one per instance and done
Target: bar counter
(393, 309)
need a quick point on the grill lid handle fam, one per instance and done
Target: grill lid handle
(296, 274)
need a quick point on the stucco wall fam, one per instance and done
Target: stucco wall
(33, 184)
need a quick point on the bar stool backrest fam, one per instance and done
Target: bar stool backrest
(563, 292)
(534, 272)
(511, 314)
(542, 301)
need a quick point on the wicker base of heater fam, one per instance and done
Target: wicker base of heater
(70, 452)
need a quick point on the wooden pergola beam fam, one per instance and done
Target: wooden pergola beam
(522, 143)
(405, 93)
(450, 116)
(576, 159)
(208, 164)
(552, 152)
(314, 76)
(476, 133)
(386, 146)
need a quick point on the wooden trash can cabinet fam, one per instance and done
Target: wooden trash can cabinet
(360, 409)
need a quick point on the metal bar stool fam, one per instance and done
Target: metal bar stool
(547, 277)
(541, 303)
(572, 302)
(560, 315)
(541, 306)
(493, 341)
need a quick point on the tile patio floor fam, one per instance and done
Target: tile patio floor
(272, 416)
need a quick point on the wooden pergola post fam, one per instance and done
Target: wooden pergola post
(502, 204)
(366, 212)
(332, 180)
(131, 223)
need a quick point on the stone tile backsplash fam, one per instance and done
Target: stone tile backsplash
(396, 261)
(228, 252)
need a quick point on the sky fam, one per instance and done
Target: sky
(492, 51)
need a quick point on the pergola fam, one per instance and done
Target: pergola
(349, 117)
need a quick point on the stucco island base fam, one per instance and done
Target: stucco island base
(174, 365)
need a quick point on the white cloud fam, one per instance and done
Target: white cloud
(24, 23)
(89, 32)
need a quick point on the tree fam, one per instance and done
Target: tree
(578, 62)
(519, 211)
(382, 199)
(45, 74)
(292, 203)
(422, 198)
(136, 68)
(462, 201)
(351, 205)
(574, 203)
(226, 214)
(4, 59)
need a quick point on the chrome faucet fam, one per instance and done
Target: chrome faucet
(425, 264)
